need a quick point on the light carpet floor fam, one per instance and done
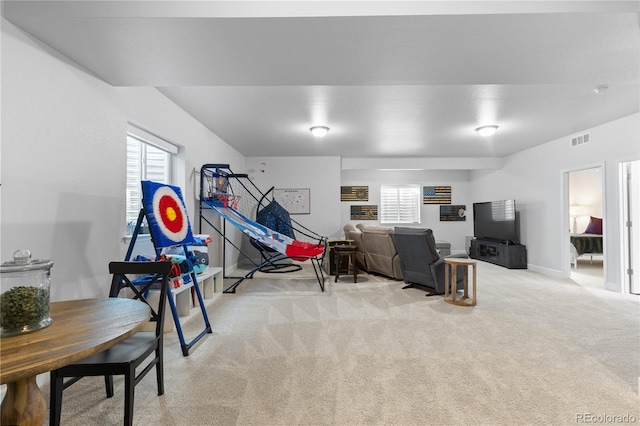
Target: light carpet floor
(534, 351)
(589, 272)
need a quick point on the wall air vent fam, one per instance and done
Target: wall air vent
(580, 139)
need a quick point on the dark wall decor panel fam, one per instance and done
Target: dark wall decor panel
(453, 213)
(364, 212)
(354, 193)
(436, 195)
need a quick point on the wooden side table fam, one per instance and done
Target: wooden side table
(450, 271)
(331, 264)
(348, 253)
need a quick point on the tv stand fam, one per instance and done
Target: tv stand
(512, 256)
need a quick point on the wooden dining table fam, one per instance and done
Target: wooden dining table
(80, 329)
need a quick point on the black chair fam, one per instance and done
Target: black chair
(422, 266)
(123, 359)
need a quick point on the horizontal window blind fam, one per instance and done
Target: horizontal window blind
(145, 161)
(400, 204)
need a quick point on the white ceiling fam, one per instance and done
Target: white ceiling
(391, 79)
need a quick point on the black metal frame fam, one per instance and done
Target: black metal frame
(267, 263)
(271, 258)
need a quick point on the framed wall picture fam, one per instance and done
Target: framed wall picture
(354, 193)
(364, 212)
(294, 200)
(453, 213)
(436, 195)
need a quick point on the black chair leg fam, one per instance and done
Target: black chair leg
(108, 384)
(129, 393)
(55, 403)
(160, 373)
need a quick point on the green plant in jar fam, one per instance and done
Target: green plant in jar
(23, 305)
(24, 294)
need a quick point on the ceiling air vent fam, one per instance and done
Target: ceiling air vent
(580, 139)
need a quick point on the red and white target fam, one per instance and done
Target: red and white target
(170, 214)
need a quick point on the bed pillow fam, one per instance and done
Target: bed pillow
(594, 226)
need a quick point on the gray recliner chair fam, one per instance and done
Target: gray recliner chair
(422, 266)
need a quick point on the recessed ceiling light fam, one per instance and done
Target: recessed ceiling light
(487, 130)
(319, 131)
(601, 89)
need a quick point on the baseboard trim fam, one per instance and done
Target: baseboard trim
(545, 271)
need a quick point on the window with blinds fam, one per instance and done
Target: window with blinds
(399, 204)
(146, 160)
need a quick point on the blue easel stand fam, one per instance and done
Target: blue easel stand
(176, 318)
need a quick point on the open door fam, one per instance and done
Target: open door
(586, 196)
(631, 226)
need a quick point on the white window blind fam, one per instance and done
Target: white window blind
(400, 204)
(146, 160)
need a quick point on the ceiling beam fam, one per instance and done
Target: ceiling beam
(422, 163)
(13, 9)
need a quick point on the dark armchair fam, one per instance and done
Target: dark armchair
(422, 266)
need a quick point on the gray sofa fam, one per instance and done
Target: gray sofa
(421, 263)
(380, 252)
(377, 251)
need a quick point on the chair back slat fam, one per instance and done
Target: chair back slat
(139, 278)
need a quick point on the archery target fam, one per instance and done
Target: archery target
(166, 214)
(170, 214)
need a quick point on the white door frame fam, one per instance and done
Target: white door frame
(566, 218)
(625, 244)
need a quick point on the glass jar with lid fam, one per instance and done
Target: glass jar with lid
(24, 297)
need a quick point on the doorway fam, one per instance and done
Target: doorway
(586, 236)
(630, 208)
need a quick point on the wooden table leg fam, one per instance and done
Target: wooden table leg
(454, 283)
(473, 301)
(352, 259)
(24, 404)
(446, 279)
(466, 283)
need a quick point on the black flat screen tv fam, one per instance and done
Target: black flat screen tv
(496, 221)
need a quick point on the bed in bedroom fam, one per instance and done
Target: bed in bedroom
(589, 243)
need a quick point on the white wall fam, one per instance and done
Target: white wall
(148, 108)
(453, 232)
(151, 110)
(64, 159)
(63, 135)
(62, 170)
(320, 174)
(535, 178)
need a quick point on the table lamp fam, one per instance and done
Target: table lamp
(576, 211)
